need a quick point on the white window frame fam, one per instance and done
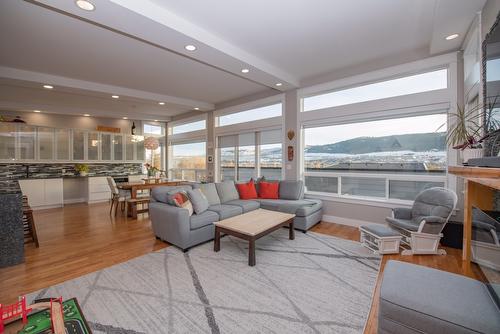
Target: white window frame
(409, 105)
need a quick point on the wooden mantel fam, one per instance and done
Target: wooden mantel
(480, 186)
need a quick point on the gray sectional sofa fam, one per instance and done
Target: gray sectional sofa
(174, 225)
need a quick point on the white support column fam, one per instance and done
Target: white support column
(291, 108)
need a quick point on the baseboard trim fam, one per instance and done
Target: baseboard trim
(344, 221)
(75, 200)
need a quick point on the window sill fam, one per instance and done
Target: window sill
(381, 203)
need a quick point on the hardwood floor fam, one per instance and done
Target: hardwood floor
(80, 239)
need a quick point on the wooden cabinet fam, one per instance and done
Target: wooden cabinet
(43, 193)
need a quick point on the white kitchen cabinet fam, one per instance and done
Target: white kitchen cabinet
(98, 189)
(43, 193)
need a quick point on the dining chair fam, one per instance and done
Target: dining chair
(117, 196)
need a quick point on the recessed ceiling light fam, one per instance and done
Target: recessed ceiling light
(196, 108)
(245, 70)
(85, 5)
(161, 103)
(115, 96)
(190, 47)
(156, 120)
(450, 37)
(125, 117)
(48, 86)
(86, 115)
(279, 84)
(36, 111)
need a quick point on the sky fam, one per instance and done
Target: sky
(336, 133)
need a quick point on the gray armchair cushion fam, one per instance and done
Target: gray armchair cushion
(210, 192)
(226, 211)
(433, 202)
(292, 190)
(227, 191)
(246, 205)
(402, 213)
(198, 200)
(203, 219)
(406, 224)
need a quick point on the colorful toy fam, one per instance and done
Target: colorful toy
(21, 310)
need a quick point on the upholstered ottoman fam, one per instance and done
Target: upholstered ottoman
(380, 238)
(416, 299)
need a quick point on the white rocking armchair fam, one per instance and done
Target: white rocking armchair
(421, 226)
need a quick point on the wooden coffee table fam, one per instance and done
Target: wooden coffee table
(252, 226)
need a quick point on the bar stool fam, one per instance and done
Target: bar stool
(29, 224)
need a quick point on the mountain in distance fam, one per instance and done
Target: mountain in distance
(417, 142)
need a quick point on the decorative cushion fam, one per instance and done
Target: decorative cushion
(227, 191)
(198, 200)
(247, 190)
(291, 189)
(210, 192)
(269, 190)
(181, 200)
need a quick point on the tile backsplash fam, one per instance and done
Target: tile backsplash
(9, 172)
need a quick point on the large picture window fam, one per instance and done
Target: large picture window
(189, 127)
(250, 155)
(385, 159)
(418, 83)
(188, 161)
(255, 114)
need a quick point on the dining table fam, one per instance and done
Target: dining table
(134, 187)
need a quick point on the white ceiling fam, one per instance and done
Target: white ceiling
(136, 48)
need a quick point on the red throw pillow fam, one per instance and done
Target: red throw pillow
(269, 190)
(247, 190)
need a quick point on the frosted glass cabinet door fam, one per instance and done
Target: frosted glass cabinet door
(62, 143)
(105, 146)
(26, 142)
(45, 143)
(140, 151)
(93, 146)
(129, 148)
(118, 147)
(78, 145)
(7, 141)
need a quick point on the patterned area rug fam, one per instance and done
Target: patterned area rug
(313, 284)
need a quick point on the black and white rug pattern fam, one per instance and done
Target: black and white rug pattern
(313, 284)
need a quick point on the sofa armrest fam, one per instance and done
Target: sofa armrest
(401, 213)
(170, 223)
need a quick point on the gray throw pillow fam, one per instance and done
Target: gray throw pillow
(199, 200)
(210, 192)
(227, 191)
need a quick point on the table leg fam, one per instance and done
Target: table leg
(217, 240)
(251, 252)
(291, 232)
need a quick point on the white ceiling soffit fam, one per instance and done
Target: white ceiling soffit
(155, 24)
(24, 96)
(310, 38)
(451, 19)
(54, 80)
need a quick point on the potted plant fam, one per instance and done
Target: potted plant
(471, 128)
(151, 169)
(82, 169)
